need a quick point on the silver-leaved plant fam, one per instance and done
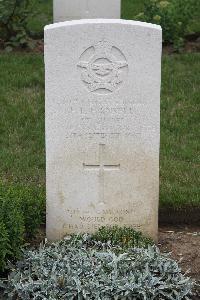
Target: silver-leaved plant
(72, 270)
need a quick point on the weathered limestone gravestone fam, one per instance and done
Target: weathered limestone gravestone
(102, 125)
(64, 10)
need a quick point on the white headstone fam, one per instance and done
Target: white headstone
(64, 10)
(102, 125)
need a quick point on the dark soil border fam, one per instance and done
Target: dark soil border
(179, 216)
(191, 45)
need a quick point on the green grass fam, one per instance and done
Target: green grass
(22, 156)
(180, 118)
(22, 119)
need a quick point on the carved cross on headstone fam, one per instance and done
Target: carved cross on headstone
(101, 167)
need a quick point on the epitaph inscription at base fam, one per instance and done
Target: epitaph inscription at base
(102, 125)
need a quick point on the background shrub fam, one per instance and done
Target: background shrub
(4, 245)
(13, 23)
(174, 17)
(12, 218)
(21, 213)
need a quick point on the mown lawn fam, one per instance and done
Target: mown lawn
(22, 157)
(180, 135)
(22, 147)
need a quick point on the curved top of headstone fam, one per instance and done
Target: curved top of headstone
(102, 21)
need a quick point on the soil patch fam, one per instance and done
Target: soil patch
(173, 216)
(184, 243)
(192, 44)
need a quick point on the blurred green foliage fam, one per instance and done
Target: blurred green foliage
(13, 23)
(21, 213)
(174, 16)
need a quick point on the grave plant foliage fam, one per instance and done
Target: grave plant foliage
(13, 23)
(174, 16)
(125, 237)
(21, 213)
(71, 269)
